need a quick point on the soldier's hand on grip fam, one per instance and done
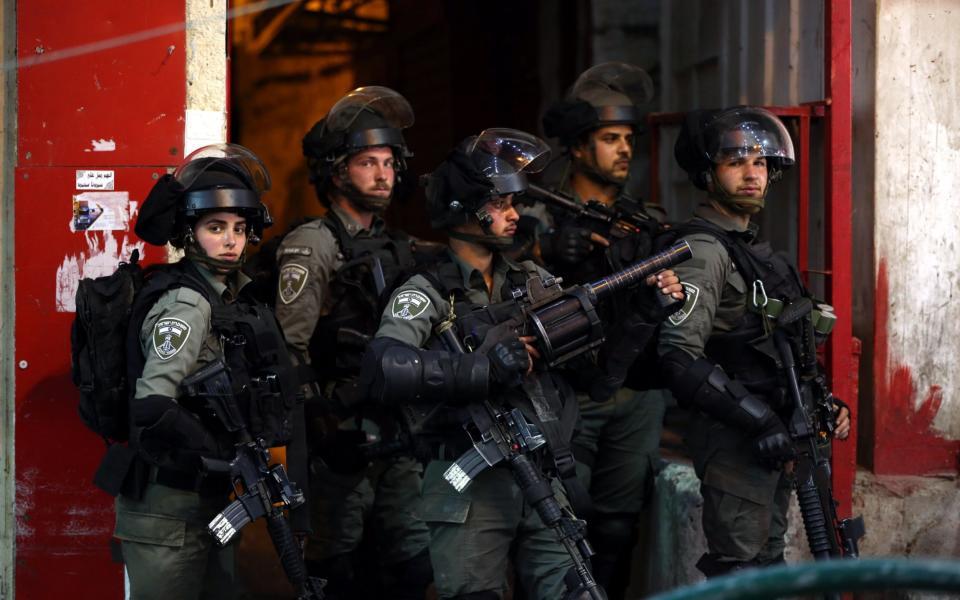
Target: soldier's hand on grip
(568, 244)
(773, 443)
(509, 361)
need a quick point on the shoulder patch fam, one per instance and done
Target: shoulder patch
(409, 304)
(693, 294)
(293, 278)
(169, 336)
(296, 251)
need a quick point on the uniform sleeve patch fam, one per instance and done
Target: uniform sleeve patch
(693, 294)
(169, 336)
(409, 305)
(293, 278)
(296, 251)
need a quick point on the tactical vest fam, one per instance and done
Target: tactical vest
(262, 377)
(373, 267)
(770, 278)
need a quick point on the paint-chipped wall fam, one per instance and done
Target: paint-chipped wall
(917, 231)
(8, 154)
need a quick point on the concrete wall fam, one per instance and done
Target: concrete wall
(206, 73)
(8, 154)
(917, 225)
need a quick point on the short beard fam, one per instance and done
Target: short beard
(366, 202)
(590, 170)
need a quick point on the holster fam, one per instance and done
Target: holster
(121, 472)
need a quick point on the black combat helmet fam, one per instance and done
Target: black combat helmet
(366, 117)
(708, 138)
(494, 163)
(218, 177)
(607, 94)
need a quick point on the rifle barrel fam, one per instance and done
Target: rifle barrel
(639, 271)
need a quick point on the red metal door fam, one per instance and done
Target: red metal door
(100, 114)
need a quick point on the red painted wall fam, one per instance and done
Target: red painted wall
(114, 73)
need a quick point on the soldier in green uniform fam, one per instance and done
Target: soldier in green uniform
(617, 446)
(333, 273)
(711, 349)
(186, 316)
(475, 532)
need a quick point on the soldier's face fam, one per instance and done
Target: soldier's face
(222, 235)
(608, 152)
(372, 172)
(504, 215)
(742, 177)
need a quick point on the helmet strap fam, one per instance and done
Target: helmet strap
(195, 252)
(741, 205)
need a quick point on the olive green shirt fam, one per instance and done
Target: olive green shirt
(308, 258)
(416, 307)
(716, 292)
(176, 336)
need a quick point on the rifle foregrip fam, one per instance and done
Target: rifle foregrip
(536, 489)
(814, 520)
(287, 549)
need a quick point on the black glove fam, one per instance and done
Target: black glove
(509, 361)
(773, 443)
(569, 244)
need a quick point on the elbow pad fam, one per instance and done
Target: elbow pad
(397, 373)
(700, 384)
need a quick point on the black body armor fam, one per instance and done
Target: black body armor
(373, 267)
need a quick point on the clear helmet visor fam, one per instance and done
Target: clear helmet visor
(377, 100)
(744, 132)
(614, 84)
(506, 156)
(232, 157)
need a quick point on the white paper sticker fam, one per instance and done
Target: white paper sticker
(203, 127)
(101, 211)
(95, 180)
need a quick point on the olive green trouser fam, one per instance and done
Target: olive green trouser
(745, 501)
(617, 447)
(475, 533)
(379, 502)
(166, 547)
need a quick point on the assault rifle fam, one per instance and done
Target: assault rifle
(262, 490)
(613, 217)
(505, 436)
(828, 536)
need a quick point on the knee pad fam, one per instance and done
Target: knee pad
(711, 565)
(488, 595)
(613, 533)
(410, 577)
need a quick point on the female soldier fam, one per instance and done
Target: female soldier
(187, 316)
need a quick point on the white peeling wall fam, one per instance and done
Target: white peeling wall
(206, 73)
(917, 223)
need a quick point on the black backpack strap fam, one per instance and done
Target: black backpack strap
(551, 405)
